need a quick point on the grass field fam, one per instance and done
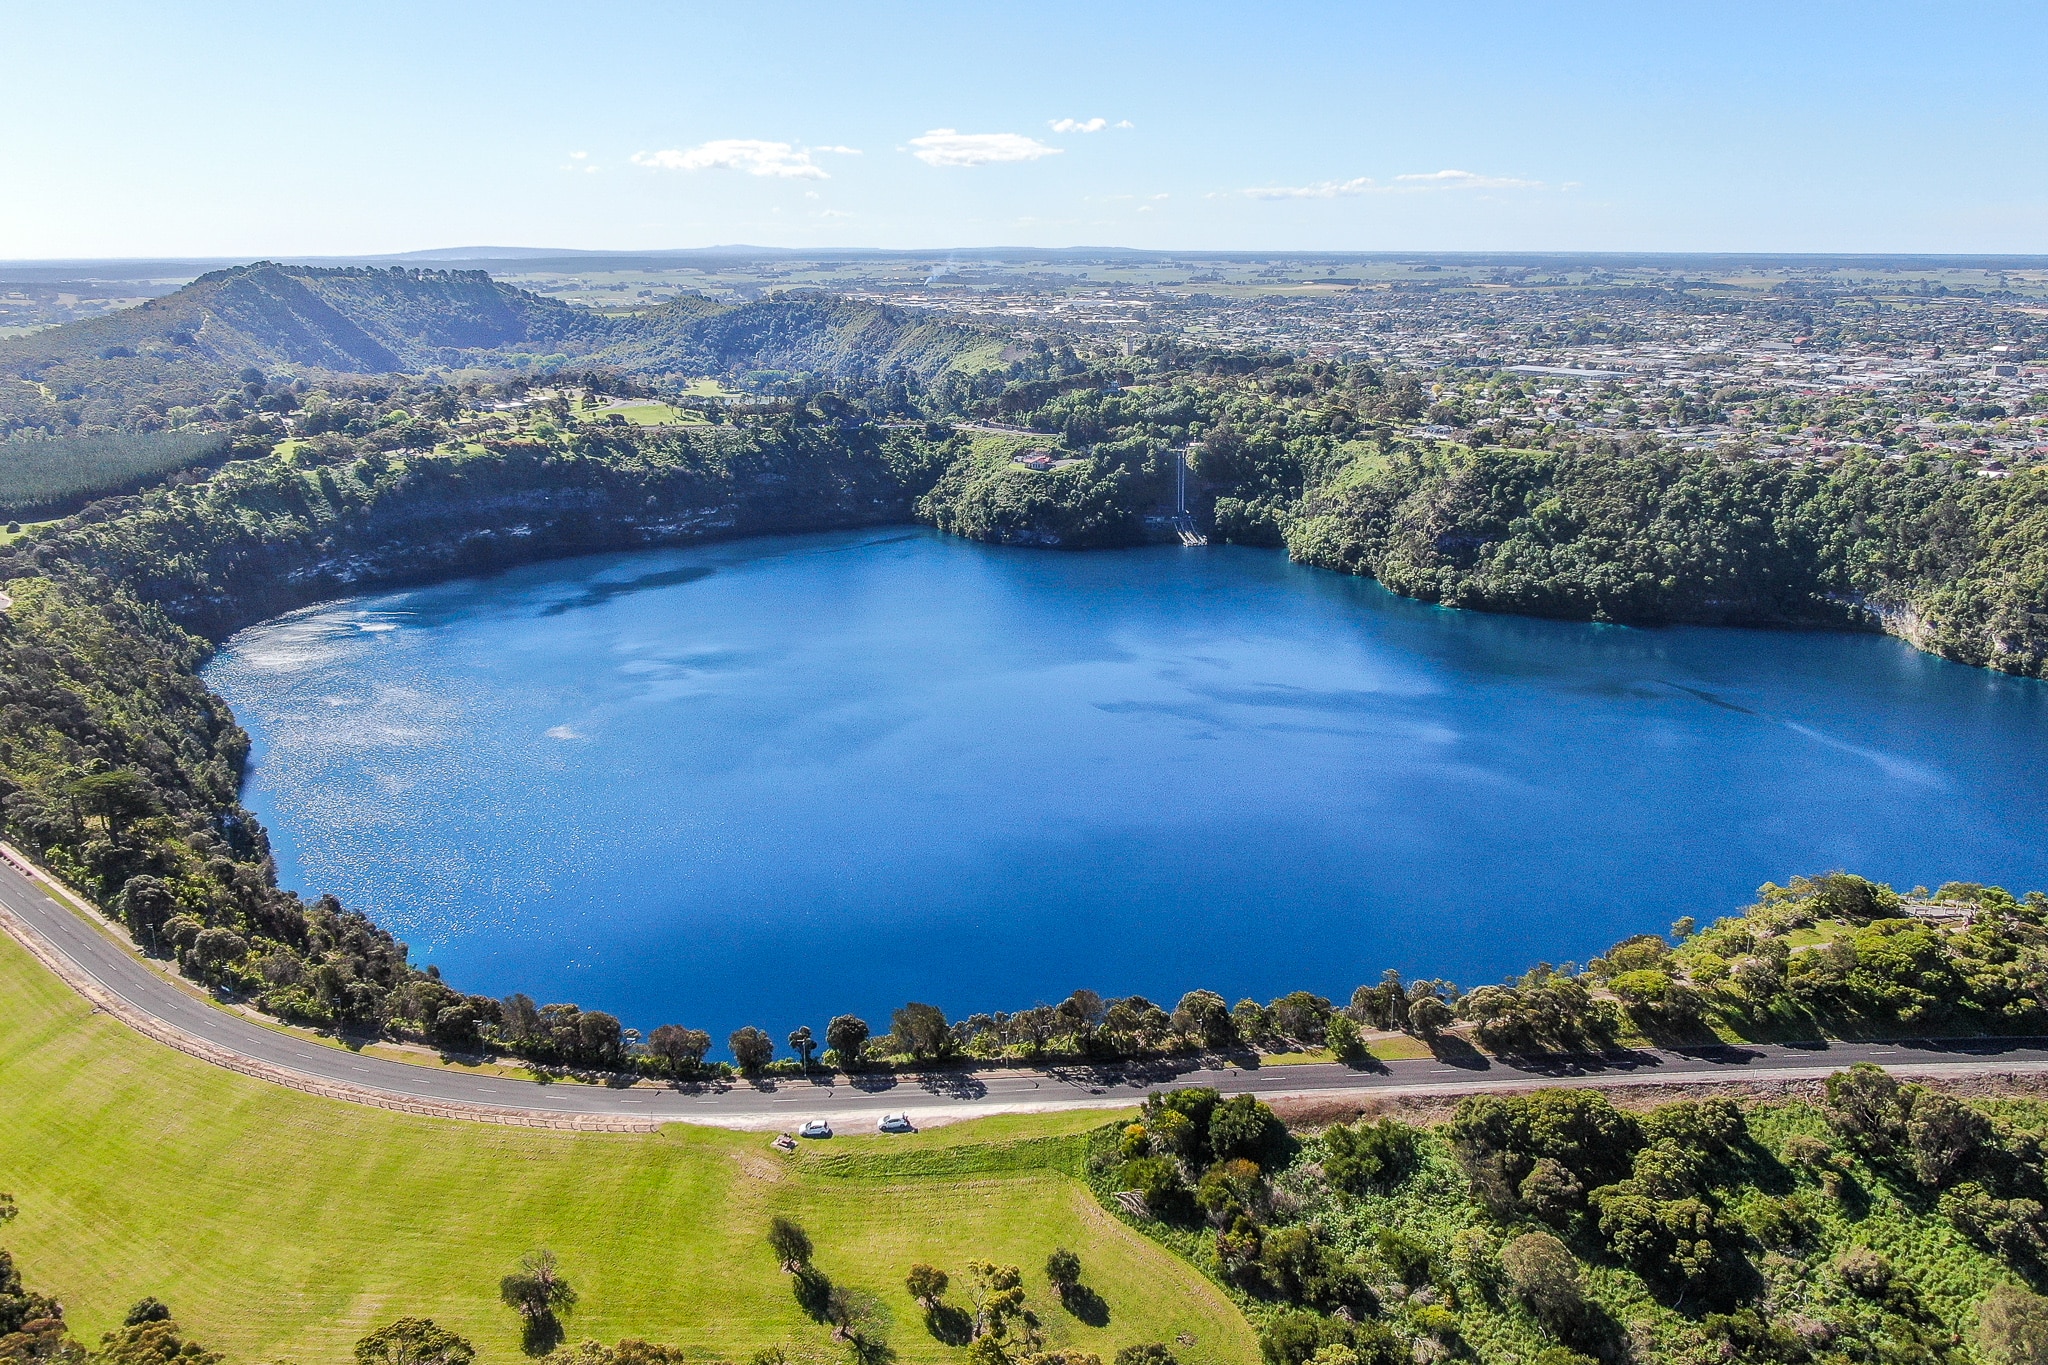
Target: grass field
(646, 414)
(279, 1225)
(8, 537)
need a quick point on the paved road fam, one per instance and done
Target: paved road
(939, 1095)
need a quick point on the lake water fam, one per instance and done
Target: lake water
(772, 780)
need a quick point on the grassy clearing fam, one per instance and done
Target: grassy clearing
(1399, 1047)
(277, 1224)
(987, 356)
(647, 414)
(8, 537)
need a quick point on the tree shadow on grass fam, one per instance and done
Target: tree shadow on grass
(813, 1292)
(542, 1335)
(952, 1326)
(1087, 1305)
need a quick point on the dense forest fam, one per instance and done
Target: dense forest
(1307, 455)
(42, 476)
(1874, 1222)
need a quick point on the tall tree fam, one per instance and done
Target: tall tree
(803, 1044)
(847, 1036)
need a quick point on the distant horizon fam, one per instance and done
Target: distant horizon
(480, 253)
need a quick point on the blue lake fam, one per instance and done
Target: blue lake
(772, 780)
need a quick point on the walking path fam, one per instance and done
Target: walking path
(96, 961)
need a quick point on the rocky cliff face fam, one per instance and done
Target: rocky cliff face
(267, 537)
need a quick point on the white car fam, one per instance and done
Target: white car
(816, 1128)
(896, 1123)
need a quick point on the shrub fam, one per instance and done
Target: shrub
(1344, 1039)
(1410, 1258)
(1545, 1276)
(1369, 1156)
(1147, 1353)
(1867, 1272)
(2012, 1326)
(1158, 1179)
(1242, 1127)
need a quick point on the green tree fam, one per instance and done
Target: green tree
(921, 1031)
(1063, 1271)
(156, 1342)
(1242, 1126)
(414, 1341)
(998, 1293)
(847, 1036)
(856, 1316)
(1429, 1016)
(680, 1050)
(803, 1044)
(1344, 1039)
(537, 1290)
(751, 1048)
(1203, 1015)
(1845, 896)
(116, 796)
(1867, 1105)
(927, 1285)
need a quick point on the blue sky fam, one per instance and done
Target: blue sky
(221, 129)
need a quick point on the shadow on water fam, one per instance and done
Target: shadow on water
(604, 590)
(1709, 698)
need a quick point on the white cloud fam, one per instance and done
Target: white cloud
(944, 147)
(578, 156)
(840, 151)
(1321, 189)
(751, 155)
(1466, 180)
(1074, 125)
(1125, 123)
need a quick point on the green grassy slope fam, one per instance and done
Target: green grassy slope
(281, 1225)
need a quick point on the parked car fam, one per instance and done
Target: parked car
(896, 1123)
(816, 1128)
